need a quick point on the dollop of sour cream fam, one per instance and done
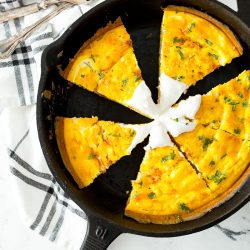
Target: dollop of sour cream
(168, 119)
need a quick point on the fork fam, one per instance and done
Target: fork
(32, 8)
(8, 45)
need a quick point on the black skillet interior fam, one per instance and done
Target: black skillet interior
(106, 197)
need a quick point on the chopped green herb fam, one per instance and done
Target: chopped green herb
(231, 102)
(180, 54)
(209, 42)
(237, 131)
(137, 78)
(91, 156)
(101, 75)
(151, 195)
(216, 57)
(168, 157)
(82, 75)
(214, 123)
(184, 207)
(190, 28)
(93, 58)
(178, 47)
(244, 104)
(178, 40)
(179, 218)
(89, 66)
(248, 78)
(218, 177)
(124, 82)
(206, 142)
(248, 87)
(234, 105)
(114, 135)
(223, 156)
(179, 78)
(227, 99)
(240, 95)
(176, 119)
(212, 163)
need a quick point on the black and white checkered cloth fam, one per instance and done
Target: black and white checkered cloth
(43, 205)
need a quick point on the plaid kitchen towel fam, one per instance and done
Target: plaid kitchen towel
(43, 205)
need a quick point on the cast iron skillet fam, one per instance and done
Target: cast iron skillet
(104, 200)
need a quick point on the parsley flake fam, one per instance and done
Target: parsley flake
(180, 54)
(91, 156)
(178, 40)
(152, 195)
(218, 177)
(216, 57)
(184, 207)
(190, 28)
(179, 78)
(124, 82)
(209, 42)
(206, 142)
(240, 95)
(171, 156)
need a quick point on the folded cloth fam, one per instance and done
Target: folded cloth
(42, 204)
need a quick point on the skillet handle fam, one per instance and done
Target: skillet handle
(99, 234)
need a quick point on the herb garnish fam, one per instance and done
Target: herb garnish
(231, 102)
(171, 156)
(179, 78)
(206, 142)
(101, 75)
(124, 82)
(240, 95)
(137, 78)
(218, 177)
(244, 104)
(190, 28)
(209, 42)
(216, 57)
(151, 195)
(180, 53)
(91, 156)
(178, 40)
(114, 135)
(184, 207)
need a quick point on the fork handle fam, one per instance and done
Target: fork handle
(25, 10)
(7, 46)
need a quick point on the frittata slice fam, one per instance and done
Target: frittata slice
(220, 157)
(89, 147)
(167, 189)
(193, 45)
(227, 107)
(106, 64)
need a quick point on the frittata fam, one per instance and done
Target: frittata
(194, 44)
(227, 107)
(106, 64)
(89, 147)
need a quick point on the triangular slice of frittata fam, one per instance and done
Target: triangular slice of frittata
(106, 64)
(193, 45)
(227, 107)
(167, 189)
(220, 157)
(89, 147)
